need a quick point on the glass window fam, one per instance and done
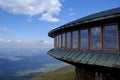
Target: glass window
(68, 40)
(95, 38)
(84, 38)
(110, 36)
(59, 41)
(75, 39)
(63, 40)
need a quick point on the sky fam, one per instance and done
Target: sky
(26, 23)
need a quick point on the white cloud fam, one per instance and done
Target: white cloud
(52, 28)
(48, 17)
(3, 29)
(1, 40)
(19, 41)
(5, 40)
(8, 40)
(71, 9)
(8, 43)
(29, 19)
(46, 8)
(45, 42)
(72, 14)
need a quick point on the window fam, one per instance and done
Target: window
(84, 38)
(68, 40)
(63, 40)
(75, 39)
(59, 41)
(110, 36)
(96, 38)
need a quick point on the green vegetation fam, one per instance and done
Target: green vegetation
(45, 69)
(65, 73)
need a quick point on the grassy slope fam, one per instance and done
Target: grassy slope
(65, 73)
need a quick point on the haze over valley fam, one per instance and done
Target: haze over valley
(25, 63)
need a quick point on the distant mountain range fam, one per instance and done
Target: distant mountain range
(22, 64)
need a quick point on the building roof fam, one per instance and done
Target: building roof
(99, 58)
(88, 19)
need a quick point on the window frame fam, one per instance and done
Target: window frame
(117, 44)
(101, 37)
(72, 39)
(62, 40)
(59, 42)
(80, 39)
(89, 28)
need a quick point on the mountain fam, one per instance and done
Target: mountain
(22, 64)
(64, 73)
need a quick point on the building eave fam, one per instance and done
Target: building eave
(99, 58)
(109, 14)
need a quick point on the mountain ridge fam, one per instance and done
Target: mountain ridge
(64, 73)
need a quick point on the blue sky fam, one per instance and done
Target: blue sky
(27, 22)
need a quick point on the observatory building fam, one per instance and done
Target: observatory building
(91, 44)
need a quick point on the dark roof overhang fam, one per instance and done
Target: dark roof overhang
(107, 58)
(109, 14)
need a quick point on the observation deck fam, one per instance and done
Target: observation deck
(92, 44)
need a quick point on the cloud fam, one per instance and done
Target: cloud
(72, 14)
(48, 17)
(3, 29)
(7, 43)
(1, 40)
(52, 28)
(19, 41)
(71, 9)
(46, 8)
(29, 19)
(10, 41)
(45, 42)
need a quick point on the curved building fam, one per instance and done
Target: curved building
(91, 44)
